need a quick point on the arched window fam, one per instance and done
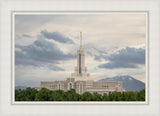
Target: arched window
(59, 86)
(70, 86)
(80, 88)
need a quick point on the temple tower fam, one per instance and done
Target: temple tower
(80, 69)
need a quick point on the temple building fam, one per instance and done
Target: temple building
(81, 81)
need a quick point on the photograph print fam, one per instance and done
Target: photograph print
(80, 57)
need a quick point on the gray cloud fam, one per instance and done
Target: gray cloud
(40, 53)
(25, 35)
(125, 58)
(97, 57)
(56, 68)
(96, 53)
(56, 36)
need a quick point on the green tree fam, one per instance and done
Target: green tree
(71, 95)
(31, 94)
(87, 96)
(43, 95)
(105, 97)
(97, 97)
(20, 95)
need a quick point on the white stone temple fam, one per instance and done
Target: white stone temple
(80, 80)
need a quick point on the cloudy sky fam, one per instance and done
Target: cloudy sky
(46, 46)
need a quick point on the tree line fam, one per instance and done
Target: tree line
(31, 94)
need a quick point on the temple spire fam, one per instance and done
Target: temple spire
(80, 40)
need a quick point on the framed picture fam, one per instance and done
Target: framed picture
(80, 57)
(55, 50)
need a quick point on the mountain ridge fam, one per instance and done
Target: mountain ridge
(128, 82)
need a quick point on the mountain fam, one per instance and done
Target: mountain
(129, 83)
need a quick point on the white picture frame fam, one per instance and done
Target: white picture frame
(7, 106)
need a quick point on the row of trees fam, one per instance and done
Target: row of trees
(31, 94)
